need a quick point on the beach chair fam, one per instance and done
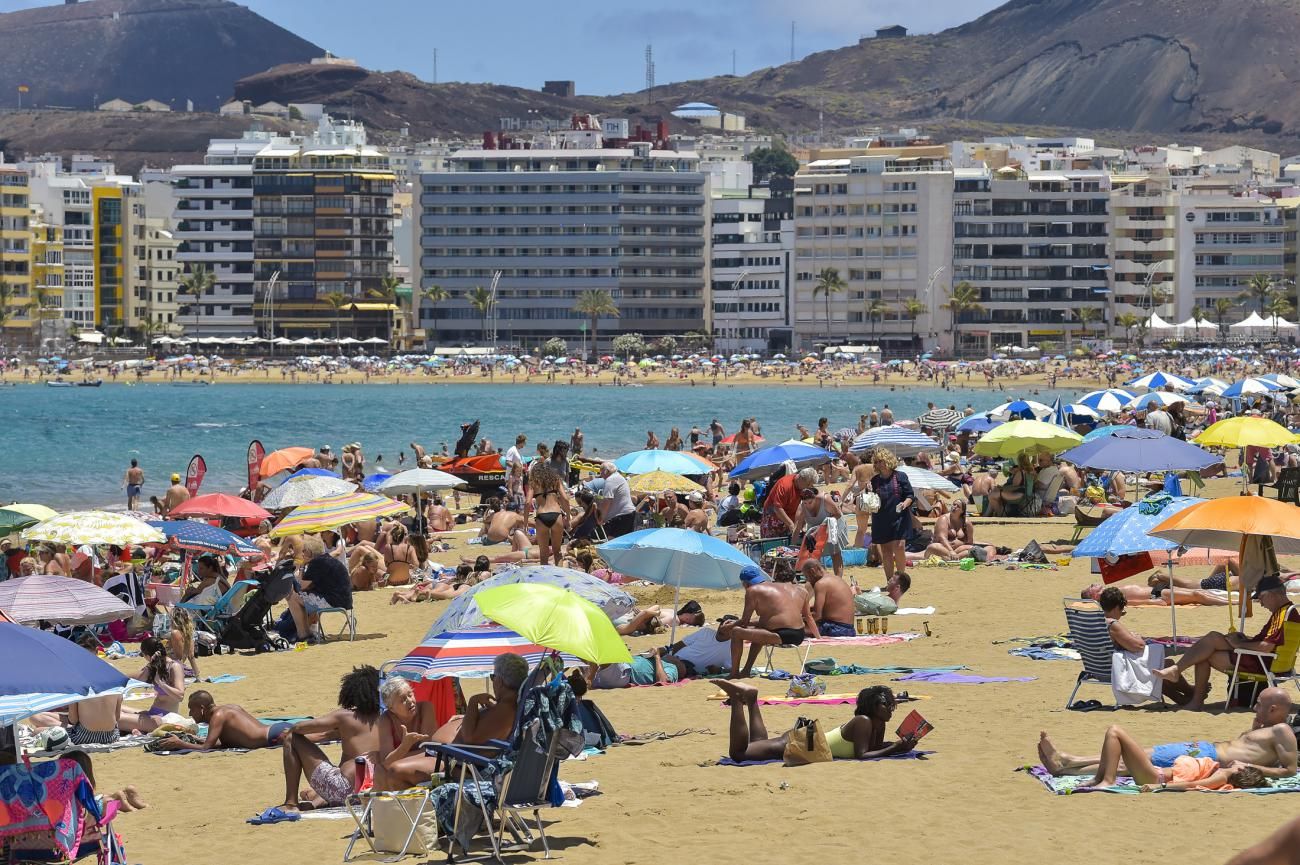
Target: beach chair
(1278, 666)
(1083, 521)
(349, 622)
(1288, 485)
(65, 823)
(801, 654)
(212, 617)
(411, 807)
(1091, 638)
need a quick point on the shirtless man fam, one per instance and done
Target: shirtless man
(176, 494)
(505, 526)
(832, 606)
(132, 482)
(355, 722)
(954, 534)
(673, 513)
(229, 726)
(437, 516)
(1269, 745)
(1138, 596)
(697, 518)
(418, 450)
(784, 617)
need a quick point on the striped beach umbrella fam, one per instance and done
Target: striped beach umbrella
(902, 441)
(924, 479)
(469, 654)
(463, 612)
(1021, 409)
(1162, 379)
(334, 511)
(300, 490)
(1110, 401)
(196, 537)
(673, 462)
(93, 527)
(940, 418)
(1251, 387)
(1156, 399)
(60, 600)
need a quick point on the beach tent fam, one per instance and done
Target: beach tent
(1250, 322)
(1155, 322)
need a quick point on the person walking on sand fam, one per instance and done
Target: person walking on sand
(132, 482)
(176, 495)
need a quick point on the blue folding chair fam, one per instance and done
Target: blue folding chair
(212, 616)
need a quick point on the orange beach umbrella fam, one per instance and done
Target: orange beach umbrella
(285, 458)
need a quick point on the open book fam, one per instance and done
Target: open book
(914, 726)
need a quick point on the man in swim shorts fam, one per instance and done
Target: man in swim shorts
(1269, 745)
(229, 726)
(133, 481)
(832, 606)
(782, 614)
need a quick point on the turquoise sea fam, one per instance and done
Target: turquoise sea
(69, 447)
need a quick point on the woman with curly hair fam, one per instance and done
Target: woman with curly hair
(891, 524)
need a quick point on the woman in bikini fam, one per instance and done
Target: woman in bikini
(399, 555)
(550, 513)
(168, 680)
(49, 564)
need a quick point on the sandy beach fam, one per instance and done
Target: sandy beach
(965, 802)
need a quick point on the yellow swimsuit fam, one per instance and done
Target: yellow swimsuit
(841, 748)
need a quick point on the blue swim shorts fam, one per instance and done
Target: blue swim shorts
(1163, 756)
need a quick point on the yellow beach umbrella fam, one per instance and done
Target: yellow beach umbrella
(330, 512)
(556, 619)
(663, 482)
(94, 528)
(20, 516)
(1245, 431)
(1012, 439)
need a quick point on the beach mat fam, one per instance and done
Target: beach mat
(910, 755)
(962, 679)
(1037, 654)
(121, 744)
(821, 699)
(866, 639)
(1066, 785)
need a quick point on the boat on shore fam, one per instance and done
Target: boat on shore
(59, 383)
(96, 383)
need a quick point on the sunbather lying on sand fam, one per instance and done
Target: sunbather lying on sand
(229, 726)
(1138, 596)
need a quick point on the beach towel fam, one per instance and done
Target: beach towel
(1038, 654)
(42, 798)
(1131, 679)
(914, 611)
(910, 755)
(821, 699)
(121, 744)
(867, 639)
(1065, 785)
(224, 679)
(961, 678)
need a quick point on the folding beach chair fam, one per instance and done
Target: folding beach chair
(410, 810)
(212, 617)
(1083, 521)
(1278, 666)
(65, 823)
(1288, 485)
(349, 622)
(802, 655)
(1091, 638)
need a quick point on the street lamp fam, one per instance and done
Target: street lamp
(735, 286)
(929, 287)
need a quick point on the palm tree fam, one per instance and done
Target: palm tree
(876, 309)
(150, 328)
(198, 283)
(1258, 290)
(1128, 321)
(1086, 315)
(962, 298)
(435, 294)
(594, 303)
(913, 309)
(387, 292)
(829, 282)
(482, 300)
(1222, 306)
(1198, 316)
(1278, 306)
(41, 295)
(336, 300)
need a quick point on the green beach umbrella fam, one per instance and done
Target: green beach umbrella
(556, 619)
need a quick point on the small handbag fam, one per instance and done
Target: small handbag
(870, 503)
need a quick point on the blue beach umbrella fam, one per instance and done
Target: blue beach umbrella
(763, 463)
(1021, 409)
(977, 423)
(1162, 379)
(1251, 387)
(203, 537)
(43, 671)
(1136, 451)
(310, 472)
(1155, 399)
(370, 483)
(673, 462)
(1110, 401)
(1103, 431)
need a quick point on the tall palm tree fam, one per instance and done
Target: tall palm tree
(1198, 316)
(387, 292)
(1086, 315)
(1128, 321)
(481, 299)
(1278, 306)
(41, 295)
(198, 283)
(829, 282)
(913, 309)
(149, 328)
(435, 294)
(593, 303)
(1258, 290)
(876, 309)
(336, 300)
(1222, 306)
(962, 298)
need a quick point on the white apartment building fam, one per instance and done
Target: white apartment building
(1034, 244)
(213, 223)
(752, 262)
(1144, 213)
(152, 270)
(884, 223)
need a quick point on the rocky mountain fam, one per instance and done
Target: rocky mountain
(73, 54)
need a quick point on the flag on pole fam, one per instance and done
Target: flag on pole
(194, 475)
(255, 454)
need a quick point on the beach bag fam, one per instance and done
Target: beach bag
(390, 822)
(874, 604)
(869, 502)
(805, 685)
(807, 744)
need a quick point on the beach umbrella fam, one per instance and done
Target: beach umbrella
(1134, 450)
(1281, 378)
(940, 418)
(902, 441)
(43, 671)
(977, 423)
(285, 458)
(1021, 409)
(313, 472)
(1244, 431)
(331, 512)
(60, 601)
(415, 481)
(673, 462)
(1156, 399)
(463, 612)
(199, 537)
(1103, 431)
(370, 483)
(219, 505)
(663, 482)
(1110, 401)
(924, 479)
(1161, 379)
(556, 619)
(299, 491)
(19, 516)
(677, 558)
(94, 528)
(1018, 436)
(1250, 387)
(1211, 382)
(763, 462)
(469, 654)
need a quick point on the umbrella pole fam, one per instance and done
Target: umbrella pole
(1173, 598)
(677, 598)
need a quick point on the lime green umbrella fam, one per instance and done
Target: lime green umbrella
(1012, 439)
(17, 517)
(556, 619)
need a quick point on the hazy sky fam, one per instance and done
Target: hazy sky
(600, 45)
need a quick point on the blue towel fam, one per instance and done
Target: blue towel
(910, 755)
(224, 679)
